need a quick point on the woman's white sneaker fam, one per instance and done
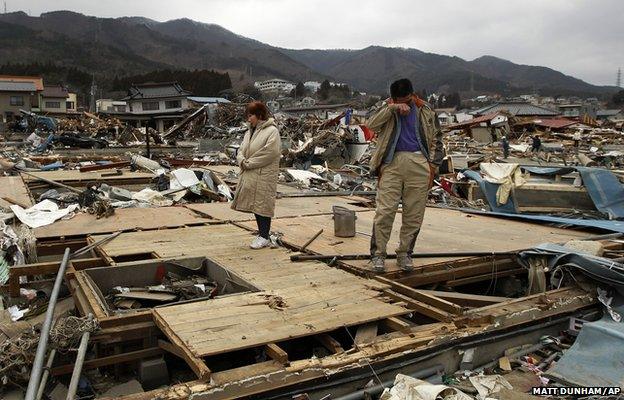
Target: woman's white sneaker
(260, 242)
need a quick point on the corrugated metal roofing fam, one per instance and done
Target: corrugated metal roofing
(7, 86)
(517, 109)
(554, 123)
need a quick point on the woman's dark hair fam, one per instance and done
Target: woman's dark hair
(258, 109)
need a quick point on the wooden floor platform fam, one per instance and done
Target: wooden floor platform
(124, 219)
(295, 299)
(14, 188)
(284, 207)
(443, 230)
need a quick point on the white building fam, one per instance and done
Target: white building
(312, 86)
(274, 84)
(308, 102)
(110, 105)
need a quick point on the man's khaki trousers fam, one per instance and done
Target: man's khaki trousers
(406, 180)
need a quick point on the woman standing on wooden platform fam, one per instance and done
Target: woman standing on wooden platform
(258, 159)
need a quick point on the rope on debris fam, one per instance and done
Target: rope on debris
(18, 353)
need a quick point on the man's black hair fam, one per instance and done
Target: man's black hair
(401, 88)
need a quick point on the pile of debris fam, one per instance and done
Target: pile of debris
(173, 288)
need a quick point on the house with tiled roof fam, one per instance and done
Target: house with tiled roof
(517, 109)
(157, 105)
(18, 93)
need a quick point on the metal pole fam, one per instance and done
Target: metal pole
(91, 246)
(51, 182)
(46, 373)
(325, 257)
(37, 369)
(82, 351)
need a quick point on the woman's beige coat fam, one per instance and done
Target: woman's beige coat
(258, 157)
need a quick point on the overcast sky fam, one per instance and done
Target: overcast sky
(582, 38)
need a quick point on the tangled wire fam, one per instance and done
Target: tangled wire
(18, 353)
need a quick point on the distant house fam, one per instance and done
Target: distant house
(54, 99)
(486, 128)
(446, 116)
(111, 106)
(274, 85)
(273, 105)
(19, 92)
(517, 109)
(578, 110)
(307, 102)
(613, 114)
(312, 86)
(15, 96)
(156, 105)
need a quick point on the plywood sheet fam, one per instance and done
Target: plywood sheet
(442, 231)
(14, 187)
(284, 207)
(314, 298)
(124, 219)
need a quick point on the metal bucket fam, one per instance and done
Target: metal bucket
(344, 221)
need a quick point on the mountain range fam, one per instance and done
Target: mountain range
(133, 45)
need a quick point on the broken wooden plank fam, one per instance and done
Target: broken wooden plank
(329, 343)
(396, 324)
(110, 360)
(485, 277)
(145, 295)
(276, 353)
(421, 296)
(420, 307)
(197, 364)
(365, 333)
(466, 299)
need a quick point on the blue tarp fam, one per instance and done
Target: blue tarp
(489, 189)
(602, 185)
(596, 358)
(605, 190)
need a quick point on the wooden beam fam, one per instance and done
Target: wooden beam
(110, 360)
(485, 277)
(454, 272)
(397, 324)
(197, 364)
(329, 343)
(466, 299)
(276, 353)
(421, 296)
(365, 333)
(420, 307)
(169, 348)
(99, 167)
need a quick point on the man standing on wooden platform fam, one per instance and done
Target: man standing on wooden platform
(408, 154)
